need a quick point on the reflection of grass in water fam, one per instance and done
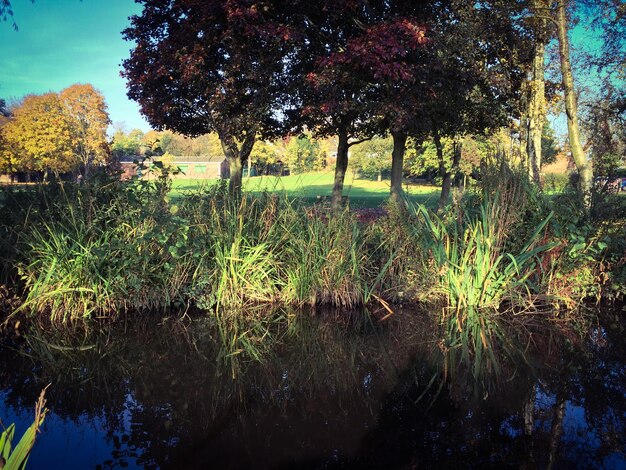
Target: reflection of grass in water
(257, 347)
(318, 366)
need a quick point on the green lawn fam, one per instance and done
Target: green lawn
(308, 186)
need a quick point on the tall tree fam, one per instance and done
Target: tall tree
(536, 110)
(474, 88)
(605, 126)
(5, 155)
(201, 66)
(334, 97)
(583, 164)
(89, 120)
(373, 158)
(126, 144)
(39, 135)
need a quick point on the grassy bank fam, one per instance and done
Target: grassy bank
(501, 253)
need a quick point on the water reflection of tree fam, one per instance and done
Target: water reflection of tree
(331, 395)
(163, 398)
(524, 425)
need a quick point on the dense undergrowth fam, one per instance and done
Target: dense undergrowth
(499, 252)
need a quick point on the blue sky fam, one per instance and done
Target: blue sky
(62, 42)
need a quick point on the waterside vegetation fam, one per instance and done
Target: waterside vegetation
(498, 254)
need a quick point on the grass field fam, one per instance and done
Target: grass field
(310, 186)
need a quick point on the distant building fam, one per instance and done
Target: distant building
(191, 167)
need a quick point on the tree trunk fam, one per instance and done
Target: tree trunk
(235, 168)
(537, 99)
(397, 165)
(556, 430)
(536, 114)
(235, 156)
(571, 108)
(529, 412)
(340, 169)
(523, 132)
(87, 172)
(446, 176)
(380, 176)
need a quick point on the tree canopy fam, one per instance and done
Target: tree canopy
(39, 136)
(250, 69)
(88, 118)
(55, 133)
(204, 66)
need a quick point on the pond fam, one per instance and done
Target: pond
(332, 395)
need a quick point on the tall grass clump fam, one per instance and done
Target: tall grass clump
(270, 249)
(234, 242)
(398, 249)
(325, 260)
(87, 258)
(476, 277)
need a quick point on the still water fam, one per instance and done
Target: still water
(145, 395)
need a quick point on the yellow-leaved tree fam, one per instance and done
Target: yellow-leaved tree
(87, 115)
(39, 136)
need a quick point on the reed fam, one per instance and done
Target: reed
(476, 277)
(101, 260)
(270, 249)
(15, 457)
(325, 260)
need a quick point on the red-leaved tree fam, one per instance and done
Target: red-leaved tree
(202, 66)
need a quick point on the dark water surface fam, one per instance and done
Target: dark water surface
(330, 396)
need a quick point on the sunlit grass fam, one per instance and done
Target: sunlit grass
(309, 187)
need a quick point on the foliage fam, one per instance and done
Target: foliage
(56, 133)
(476, 276)
(271, 250)
(555, 182)
(126, 144)
(177, 144)
(226, 81)
(108, 247)
(267, 155)
(474, 151)
(591, 263)
(89, 120)
(303, 154)
(105, 252)
(39, 136)
(606, 127)
(372, 158)
(549, 145)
